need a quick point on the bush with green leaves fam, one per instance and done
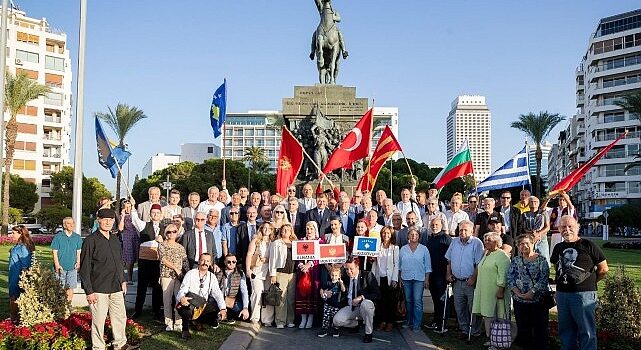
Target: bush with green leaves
(43, 298)
(619, 315)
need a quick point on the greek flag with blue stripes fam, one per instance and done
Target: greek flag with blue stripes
(515, 172)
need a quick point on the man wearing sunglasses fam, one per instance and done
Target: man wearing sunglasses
(202, 283)
(511, 215)
(235, 239)
(233, 284)
(198, 241)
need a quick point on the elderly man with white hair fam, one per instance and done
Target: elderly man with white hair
(463, 256)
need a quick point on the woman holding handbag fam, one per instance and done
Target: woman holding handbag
(281, 272)
(527, 278)
(385, 269)
(308, 282)
(257, 267)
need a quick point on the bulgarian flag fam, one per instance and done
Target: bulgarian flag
(460, 165)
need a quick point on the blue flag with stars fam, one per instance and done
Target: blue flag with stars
(218, 111)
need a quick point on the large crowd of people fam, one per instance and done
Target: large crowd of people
(218, 259)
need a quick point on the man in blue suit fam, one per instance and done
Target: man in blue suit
(347, 216)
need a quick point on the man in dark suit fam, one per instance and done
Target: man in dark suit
(347, 216)
(320, 214)
(362, 293)
(189, 212)
(296, 217)
(511, 215)
(198, 241)
(235, 203)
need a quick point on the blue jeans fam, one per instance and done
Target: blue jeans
(414, 302)
(577, 324)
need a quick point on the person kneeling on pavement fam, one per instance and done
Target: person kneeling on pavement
(362, 292)
(233, 284)
(200, 297)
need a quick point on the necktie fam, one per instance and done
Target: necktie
(252, 231)
(293, 220)
(200, 245)
(353, 294)
(320, 214)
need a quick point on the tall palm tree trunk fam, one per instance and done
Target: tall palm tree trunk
(118, 181)
(10, 142)
(539, 158)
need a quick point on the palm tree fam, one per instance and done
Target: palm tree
(18, 91)
(121, 122)
(256, 158)
(537, 127)
(632, 103)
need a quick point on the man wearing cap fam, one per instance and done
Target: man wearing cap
(148, 261)
(480, 224)
(103, 280)
(495, 224)
(432, 192)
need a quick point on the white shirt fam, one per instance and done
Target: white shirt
(140, 224)
(506, 217)
(382, 260)
(191, 283)
(406, 207)
(453, 219)
(205, 206)
(168, 211)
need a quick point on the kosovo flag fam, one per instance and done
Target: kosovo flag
(218, 111)
(367, 244)
(107, 156)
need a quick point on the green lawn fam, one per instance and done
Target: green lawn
(157, 338)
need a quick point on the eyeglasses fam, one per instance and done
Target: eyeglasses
(197, 219)
(230, 262)
(233, 213)
(506, 197)
(279, 212)
(172, 231)
(291, 190)
(473, 202)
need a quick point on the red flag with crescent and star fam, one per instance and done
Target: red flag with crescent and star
(290, 160)
(385, 148)
(354, 146)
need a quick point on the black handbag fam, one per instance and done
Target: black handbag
(273, 296)
(196, 300)
(548, 299)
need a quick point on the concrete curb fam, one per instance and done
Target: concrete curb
(417, 340)
(241, 337)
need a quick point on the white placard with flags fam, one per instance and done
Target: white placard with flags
(515, 172)
(366, 246)
(305, 250)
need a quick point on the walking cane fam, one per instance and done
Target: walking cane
(447, 298)
(469, 331)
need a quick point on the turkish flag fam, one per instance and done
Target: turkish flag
(354, 146)
(290, 160)
(385, 148)
(575, 176)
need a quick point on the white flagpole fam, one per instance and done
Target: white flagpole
(80, 105)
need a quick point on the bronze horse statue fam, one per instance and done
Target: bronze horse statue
(327, 43)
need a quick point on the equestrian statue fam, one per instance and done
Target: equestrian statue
(327, 43)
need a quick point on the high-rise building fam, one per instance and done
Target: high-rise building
(471, 119)
(546, 147)
(610, 68)
(43, 141)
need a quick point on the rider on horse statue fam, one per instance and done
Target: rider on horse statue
(327, 43)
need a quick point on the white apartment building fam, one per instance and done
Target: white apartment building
(43, 141)
(546, 147)
(158, 162)
(255, 129)
(471, 119)
(198, 152)
(610, 68)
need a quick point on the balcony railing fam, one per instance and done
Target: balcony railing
(47, 172)
(51, 119)
(53, 137)
(51, 154)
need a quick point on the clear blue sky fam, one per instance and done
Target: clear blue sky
(168, 57)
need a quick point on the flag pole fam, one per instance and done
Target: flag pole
(121, 175)
(391, 177)
(222, 148)
(322, 176)
(408, 163)
(80, 93)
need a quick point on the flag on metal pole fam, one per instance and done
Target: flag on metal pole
(459, 166)
(515, 172)
(290, 160)
(110, 158)
(355, 145)
(385, 148)
(218, 109)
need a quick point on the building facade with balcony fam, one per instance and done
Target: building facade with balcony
(44, 125)
(610, 68)
(471, 119)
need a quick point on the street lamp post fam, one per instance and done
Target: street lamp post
(167, 185)
(606, 233)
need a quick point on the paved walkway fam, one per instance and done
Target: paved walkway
(297, 339)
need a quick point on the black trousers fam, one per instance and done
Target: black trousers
(437, 290)
(386, 306)
(148, 276)
(209, 315)
(532, 323)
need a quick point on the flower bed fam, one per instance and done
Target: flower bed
(37, 240)
(623, 245)
(74, 333)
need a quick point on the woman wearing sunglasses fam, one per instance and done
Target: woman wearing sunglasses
(173, 261)
(278, 217)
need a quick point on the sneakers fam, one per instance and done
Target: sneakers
(291, 325)
(441, 331)
(229, 321)
(431, 326)
(322, 333)
(334, 332)
(169, 328)
(215, 324)
(280, 326)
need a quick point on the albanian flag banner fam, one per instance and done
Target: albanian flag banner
(385, 148)
(305, 250)
(290, 161)
(354, 146)
(332, 253)
(575, 176)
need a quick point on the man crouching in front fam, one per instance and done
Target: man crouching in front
(200, 298)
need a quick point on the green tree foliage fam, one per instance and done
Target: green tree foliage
(625, 215)
(62, 191)
(22, 195)
(15, 216)
(189, 177)
(618, 317)
(52, 216)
